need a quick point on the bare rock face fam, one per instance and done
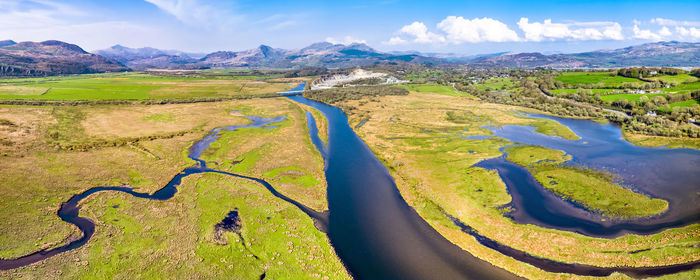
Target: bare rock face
(52, 58)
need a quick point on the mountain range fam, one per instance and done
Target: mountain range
(55, 58)
(51, 58)
(659, 54)
(318, 54)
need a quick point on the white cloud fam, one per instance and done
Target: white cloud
(547, 30)
(396, 40)
(420, 33)
(459, 30)
(684, 30)
(345, 40)
(671, 22)
(688, 32)
(665, 32)
(647, 34)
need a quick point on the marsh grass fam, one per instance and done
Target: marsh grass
(432, 162)
(597, 193)
(138, 238)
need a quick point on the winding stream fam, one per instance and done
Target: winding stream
(374, 231)
(70, 210)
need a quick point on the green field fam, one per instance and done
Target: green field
(676, 79)
(683, 88)
(686, 103)
(496, 84)
(576, 90)
(628, 96)
(434, 88)
(134, 86)
(604, 78)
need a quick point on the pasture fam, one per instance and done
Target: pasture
(591, 78)
(135, 86)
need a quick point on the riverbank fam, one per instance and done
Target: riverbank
(431, 158)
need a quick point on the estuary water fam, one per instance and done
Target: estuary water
(669, 174)
(379, 236)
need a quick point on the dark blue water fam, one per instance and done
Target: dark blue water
(375, 233)
(670, 174)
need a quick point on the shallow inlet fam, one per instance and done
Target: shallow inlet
(670, 174)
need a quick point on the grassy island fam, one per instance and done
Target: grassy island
(592, 189)
(597, 192)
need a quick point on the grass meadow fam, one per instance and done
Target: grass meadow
(135, 86)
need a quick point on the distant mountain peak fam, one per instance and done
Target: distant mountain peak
(63, 45)
(360, 46)
(6, 43)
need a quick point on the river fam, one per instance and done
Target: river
(375, 232)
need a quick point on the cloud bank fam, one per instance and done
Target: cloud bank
(458, 30)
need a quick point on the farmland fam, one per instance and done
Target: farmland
(605, 79)
(135, 86)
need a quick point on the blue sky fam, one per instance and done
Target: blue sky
(465, 27)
